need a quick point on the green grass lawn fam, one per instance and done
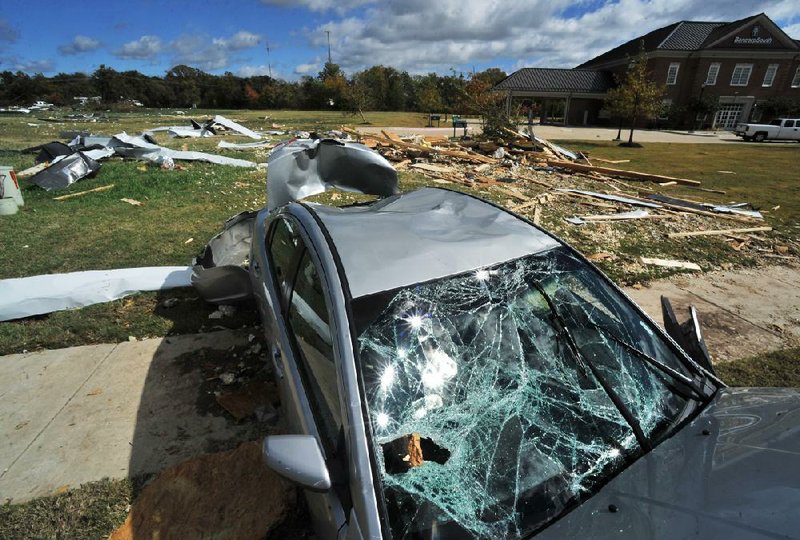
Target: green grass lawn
(182, 209)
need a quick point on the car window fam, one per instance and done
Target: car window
(284, 248)
(501, 397)
(789, 123)
(776, 122)
(308, 319)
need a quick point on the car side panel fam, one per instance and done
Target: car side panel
(326, 512)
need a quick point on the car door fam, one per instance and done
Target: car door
(306, 358)
(788, 130)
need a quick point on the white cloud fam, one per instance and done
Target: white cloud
(28, 66)
(793, 30)
(80, 44)
(146, 47)
(305, 69)
(211, 54)
(254, 71)
(240, 40)
(340, 6)
(421, 36)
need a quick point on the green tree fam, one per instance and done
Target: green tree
(429, 99)
(636, 97)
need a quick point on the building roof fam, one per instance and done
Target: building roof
(679, 36)
(558, 80)
(424, 235)
(689, 36)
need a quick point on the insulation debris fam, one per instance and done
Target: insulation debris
(36, 295)
(667, 263)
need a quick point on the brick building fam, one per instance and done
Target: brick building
(742, 63)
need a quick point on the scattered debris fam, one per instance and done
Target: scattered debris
(738, 210)
(606, 197)
(169, 303)
(233, 126)
(667, 263)
(635, 175)
(132, 202)
(719, 232)
(246, 400)
(65, 171)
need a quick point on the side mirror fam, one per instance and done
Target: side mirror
(299, 459)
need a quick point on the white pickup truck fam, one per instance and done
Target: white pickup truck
(780, 129)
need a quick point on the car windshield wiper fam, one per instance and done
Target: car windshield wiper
(613, 396)
(672, 372)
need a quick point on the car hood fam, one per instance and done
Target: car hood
(733, 472)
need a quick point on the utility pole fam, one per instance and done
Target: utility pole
(269, 65)
(329, 46)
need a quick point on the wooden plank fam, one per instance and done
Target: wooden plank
(612, 161)
(537, 215)
(512, 192)
(620, 172)
(719, 232)
(432, 168)
(394, 137)
(427, 149)
(82, 193)
(30, 171)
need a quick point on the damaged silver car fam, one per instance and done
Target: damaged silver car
(451, 370)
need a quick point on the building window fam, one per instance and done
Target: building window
(796, 79)
(769, 76)
(713, 71)
(741, 74)
(672, 73)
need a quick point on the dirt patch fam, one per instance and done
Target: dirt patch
(743, 313)
(227, 495)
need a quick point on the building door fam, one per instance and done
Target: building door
(728, 115)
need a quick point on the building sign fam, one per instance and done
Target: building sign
(754, 39)
(739, 40)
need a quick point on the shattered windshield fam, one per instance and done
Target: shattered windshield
(499, 398)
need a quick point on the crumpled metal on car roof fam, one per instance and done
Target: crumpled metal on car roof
(305, 167)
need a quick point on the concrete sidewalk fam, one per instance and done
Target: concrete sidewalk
(580, 133)
(76, 415)
(80, 414)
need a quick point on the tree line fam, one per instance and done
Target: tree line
(379, 88)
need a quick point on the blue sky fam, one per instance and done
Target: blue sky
(417, 35)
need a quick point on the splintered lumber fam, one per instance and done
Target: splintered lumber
(537, 215)
(719, 232)
(667, 263)
(432, 168)
(30, 171)
(82, 193)
(646, 177)
(471, 156)
(512, 193)
(612, 161)
(394, 137)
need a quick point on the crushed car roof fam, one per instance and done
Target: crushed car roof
(423, 235)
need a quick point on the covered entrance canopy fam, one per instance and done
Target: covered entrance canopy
(581, 90)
